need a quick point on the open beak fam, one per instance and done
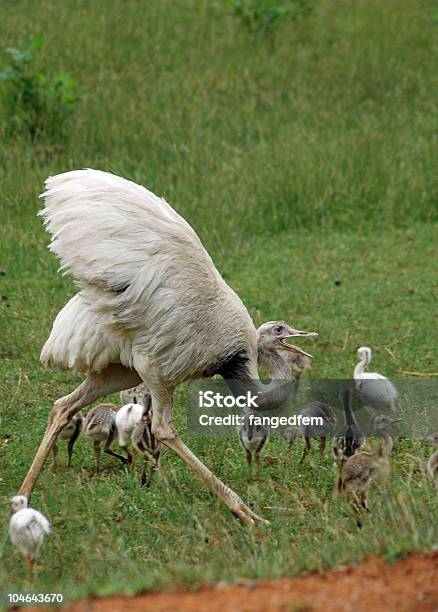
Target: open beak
(395, 421)
(294, 333)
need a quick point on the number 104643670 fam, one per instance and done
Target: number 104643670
(35, 598)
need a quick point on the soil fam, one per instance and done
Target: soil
(373, 586)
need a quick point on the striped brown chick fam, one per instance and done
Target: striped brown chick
(70, 433)
(100, 426)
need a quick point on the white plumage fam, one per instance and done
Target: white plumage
(127, 418)
(375, 390)
(136, 260)
(27, 530)
(152, 308)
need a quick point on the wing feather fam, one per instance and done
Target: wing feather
(146, 281)
(106, 230)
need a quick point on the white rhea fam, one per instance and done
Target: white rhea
(27, 530)
(70, 433)
(127, 418)
(151, 308)
(100, 426)
(145, 443)
(376, 392)
(137, 395)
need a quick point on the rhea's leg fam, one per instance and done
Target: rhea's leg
(364, 501)
(114, 378)
(54, 453)
(71, 444)
(29, 565)
(143, 473)
(129, 455)
(121, 458)
(124, 440)
(393, 415)
(306, 449)
(96, 446)
(248, 461)
(151, 474)
(108, 449)
(164, 431)
(257, 460)
(134, 457)
(321, 446)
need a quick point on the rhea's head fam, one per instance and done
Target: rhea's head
(18, 503)
(432, 439)
(272, 336)
(383, 422)
(364, 354)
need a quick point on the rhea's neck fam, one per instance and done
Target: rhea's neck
(387, 445)
(360, 367)
(269, 396)
(277, 367)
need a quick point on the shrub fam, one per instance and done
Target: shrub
(34, 101)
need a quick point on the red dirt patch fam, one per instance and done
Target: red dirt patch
(410, 584)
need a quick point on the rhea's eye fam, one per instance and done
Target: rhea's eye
(278, 329)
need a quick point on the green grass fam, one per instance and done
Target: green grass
(304, 159)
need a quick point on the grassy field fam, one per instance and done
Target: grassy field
(304, 159)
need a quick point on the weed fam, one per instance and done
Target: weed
(35, 101)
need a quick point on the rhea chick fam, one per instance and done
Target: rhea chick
(70, 433)
(364, 468)
(127, 418)
(322, 411)
(253, 437)
(27, 530)
(100, 426)
(145, 443)
(350, 440)
(137, 395)
(376, 392)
